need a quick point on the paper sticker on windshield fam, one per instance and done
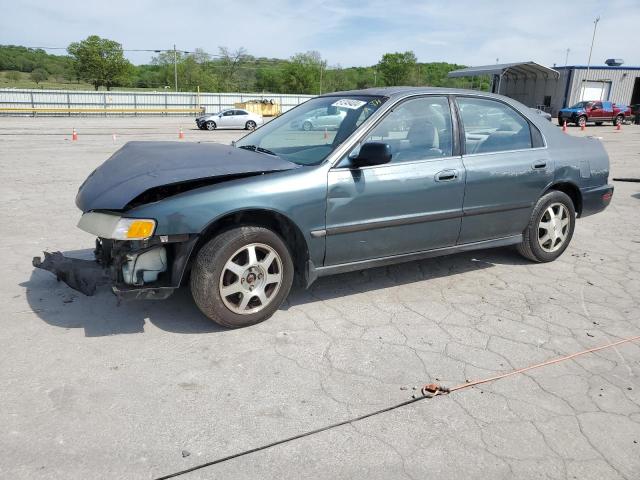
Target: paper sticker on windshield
(351, 103)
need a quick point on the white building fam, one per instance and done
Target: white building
(551, 89)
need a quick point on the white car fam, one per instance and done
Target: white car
(231, 118)
(320, 118)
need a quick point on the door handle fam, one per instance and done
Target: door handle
(539, 164)
(446, 175)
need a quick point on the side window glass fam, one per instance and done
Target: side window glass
(491, 126)
(228, 113)
(417, 129)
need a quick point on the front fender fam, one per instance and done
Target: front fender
(299, 195)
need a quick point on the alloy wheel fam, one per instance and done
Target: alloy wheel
(251, 278)
(553, 227)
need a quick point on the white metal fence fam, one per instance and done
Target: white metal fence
(76, 102)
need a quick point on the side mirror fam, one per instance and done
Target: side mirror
(372, 153)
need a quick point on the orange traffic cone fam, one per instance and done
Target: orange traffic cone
(582, 127)
(619, 126)
(180, 134)
(74, 135)
(564, 126)
(113, 137)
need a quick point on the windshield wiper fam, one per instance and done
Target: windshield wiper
(255, 148)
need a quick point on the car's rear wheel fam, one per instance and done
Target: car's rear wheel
(210, 125)
(582, 121)
(619, 120)
(250, 125)
(306, 126)
(242, 276)
(550, 228)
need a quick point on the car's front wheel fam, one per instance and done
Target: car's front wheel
(618, 120)
(550, 228)
(210, 125)
(306, 126)
(250, 125)
(582, 121)
(242, 276)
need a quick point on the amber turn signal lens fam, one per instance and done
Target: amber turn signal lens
(140, 229)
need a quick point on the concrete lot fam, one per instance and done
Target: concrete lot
(93, 389)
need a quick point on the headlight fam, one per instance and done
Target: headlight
(133, 229)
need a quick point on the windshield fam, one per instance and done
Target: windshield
(307, 134)
(582, 105)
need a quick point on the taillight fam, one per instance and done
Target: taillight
(606, 197)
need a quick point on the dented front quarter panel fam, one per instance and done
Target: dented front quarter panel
(298, 194)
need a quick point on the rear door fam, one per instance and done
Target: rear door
(607, 111)
(507, 169)
(411, 204)
(240, 118)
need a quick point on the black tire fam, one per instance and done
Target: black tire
(209, 267)
(306, 126)
(530, 247)
(250, 125)
(210, 125)
(619, 120)
(581, 120)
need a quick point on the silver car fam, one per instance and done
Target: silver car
(231, 118)
(328, 117)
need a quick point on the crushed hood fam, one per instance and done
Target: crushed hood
(140, 166)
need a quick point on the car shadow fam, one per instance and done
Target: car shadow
(102, 314)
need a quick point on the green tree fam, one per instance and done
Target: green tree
(397, 68)
(302, 73)
(229, 63)
(100, 62)
(39, 75)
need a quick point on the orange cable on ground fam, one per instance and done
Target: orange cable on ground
(432, 389)
(428, 391)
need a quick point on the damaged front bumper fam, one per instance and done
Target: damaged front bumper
(135, 269)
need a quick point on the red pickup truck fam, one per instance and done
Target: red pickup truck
(595, 111)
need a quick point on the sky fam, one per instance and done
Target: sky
(346, 33)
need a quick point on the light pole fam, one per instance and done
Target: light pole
(593, 39)
(566, 58)
(175, 60)
(175, 66)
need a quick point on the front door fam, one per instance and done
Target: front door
(411, 204)
(240, 119)
(226, 119)
(597, 113)
(507, 166)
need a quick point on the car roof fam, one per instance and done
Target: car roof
(398, 92)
